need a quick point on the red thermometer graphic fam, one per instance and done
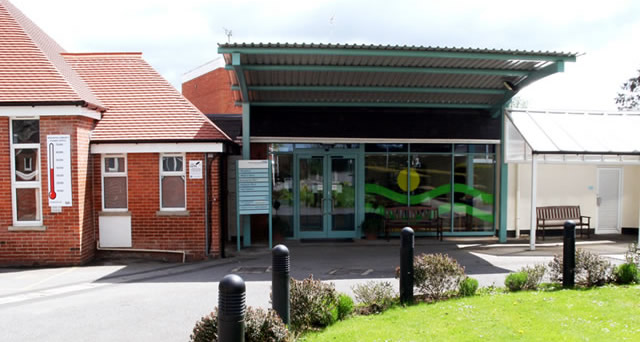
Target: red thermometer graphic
(52, 188)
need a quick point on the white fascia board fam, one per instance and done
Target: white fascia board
(98, 148)
(39, 111)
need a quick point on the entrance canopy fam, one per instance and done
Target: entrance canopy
(383, 76)
(573, 137)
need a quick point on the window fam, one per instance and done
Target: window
(114, 182)
(172, 182)
(25, 178)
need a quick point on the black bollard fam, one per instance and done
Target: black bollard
(406, 265)
(280, 282)
(569, 255)
(231, 309)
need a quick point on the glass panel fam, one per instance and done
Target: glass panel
(114, 164)
(281, 148)
(431, 183)
(436, 148)
(26, 163)
(311, 195)
(26, 131)
(173, 192)
(282, 194)
(115, 192)
(474, 192)
(172, 164)
(309, 146)
(385, 182)
(343, 194)
(27, 204)
(386, 148)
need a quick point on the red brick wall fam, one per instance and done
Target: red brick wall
(211, 93)
(151, 230)
(68, 238)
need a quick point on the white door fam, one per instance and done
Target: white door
(608, 200)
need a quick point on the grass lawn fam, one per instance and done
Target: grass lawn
(600, 314)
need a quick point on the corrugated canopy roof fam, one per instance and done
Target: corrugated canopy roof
(376, 75)
(573, 136)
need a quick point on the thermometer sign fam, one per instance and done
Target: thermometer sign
(59, 170)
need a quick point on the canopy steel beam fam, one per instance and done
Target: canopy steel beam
(358, 68)
(478, 91)
(373, 104)
(242, 81)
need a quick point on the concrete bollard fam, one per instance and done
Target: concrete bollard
(569, 255)
(231, 309)
(280, 301)
(407, 245)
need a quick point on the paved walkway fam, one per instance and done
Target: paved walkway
(111, 301)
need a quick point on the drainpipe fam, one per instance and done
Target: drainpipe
(208, 201)
(207, 227)
(223, 199)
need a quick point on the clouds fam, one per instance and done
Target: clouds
(176, 36)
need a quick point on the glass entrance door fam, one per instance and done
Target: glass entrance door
(326, 195)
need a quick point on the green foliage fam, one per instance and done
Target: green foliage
(516, 281)
(468, 287)
(629, 97)
(374, 296)
(591, 269)
(535, 274)
(373, 223)
(626, 274)
(260, 326)
(436, 274)
(313, 304)
(345, 306)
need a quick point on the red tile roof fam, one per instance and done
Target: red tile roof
(143, 106)
(32, 70)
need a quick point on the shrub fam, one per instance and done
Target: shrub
(468, 287)
(516, 281)
(436, 274)
(535, 275)
(260, 326)
(345, 306)
(374, 296)
(206, 329)
(626, 274)
(591, 269)
(313, 304)
(633, 255)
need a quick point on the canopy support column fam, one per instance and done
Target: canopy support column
(532, 231)
(504, 183)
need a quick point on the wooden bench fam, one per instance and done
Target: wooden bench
(555, 216)
(419, 218)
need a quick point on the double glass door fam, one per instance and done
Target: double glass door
(326, 193)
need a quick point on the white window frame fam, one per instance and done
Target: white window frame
(37, 184)
(114, 174)
(182, 173)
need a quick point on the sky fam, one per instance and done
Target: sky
(176, 36)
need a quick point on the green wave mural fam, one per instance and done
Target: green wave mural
(460, 208)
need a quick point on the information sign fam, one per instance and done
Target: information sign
(59, 170)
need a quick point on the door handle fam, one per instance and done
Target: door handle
(598, 200)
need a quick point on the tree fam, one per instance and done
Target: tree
(629, 98)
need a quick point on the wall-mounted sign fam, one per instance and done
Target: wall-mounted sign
(195, 169)
(59, 170)
(253, 187)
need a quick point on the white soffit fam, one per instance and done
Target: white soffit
(97, 148)
(34, 111)
(549, 132)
